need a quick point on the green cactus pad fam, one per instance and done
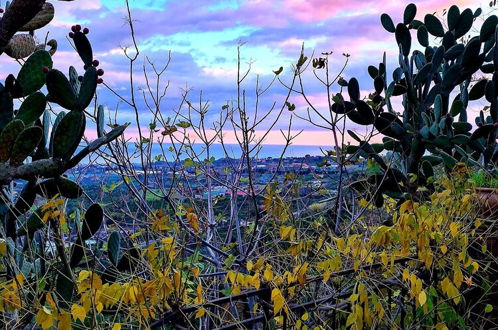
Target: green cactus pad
(60, 89)
(77, 253)
(6, 107)
(25, 200)
(64, 289)
(100, 121)
(354, 89)
(113, 248)
(87, 89)
(453, 16)
(423, 36)
(68, 135)
(74, 80)
(83, 47)
(32, 224)
(477, 91)
(409, 13)
(464, 23)
(25, 144)
(94, 217)
(46, 126)
(488, 28)
(403, 38)
(65, 187)
(44, 16)
(32, 108)
(8, 137)
(31, 77)
(54, 129)
(387, 23)
(471, 51)
(434, 25)
(129, 260)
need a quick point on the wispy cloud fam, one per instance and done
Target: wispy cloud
(203, 36)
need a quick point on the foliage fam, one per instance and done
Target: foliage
(433, 126)
(422, 263)
(39, 160)
(482, 178)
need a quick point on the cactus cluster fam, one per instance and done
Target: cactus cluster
(435, 87)
(39, 152)
(21, 45)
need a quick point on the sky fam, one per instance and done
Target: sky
(203, 36)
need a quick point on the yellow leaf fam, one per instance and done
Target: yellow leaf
(363, 203)
(278, 300)
(45, 318)
(475, 267)
(268, 274)
(287, 232)
(384, 258)
(3, 247)
(406, 206)
(193, 221)
(196, 271)
(441, 326)
(64, 321)
(200, 313)
(458, 277)
(341, 245)
(422, 298)
(453, 229)
(326, 275)
(116, 326)
(78, 312)
(444, 249)
(305, 317)
(249, 265)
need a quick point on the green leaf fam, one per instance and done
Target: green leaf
(488, 308)
(94, 217)
(113, 248)
(183, 124)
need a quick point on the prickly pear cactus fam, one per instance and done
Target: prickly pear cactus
(434, 88)
(35, 153)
